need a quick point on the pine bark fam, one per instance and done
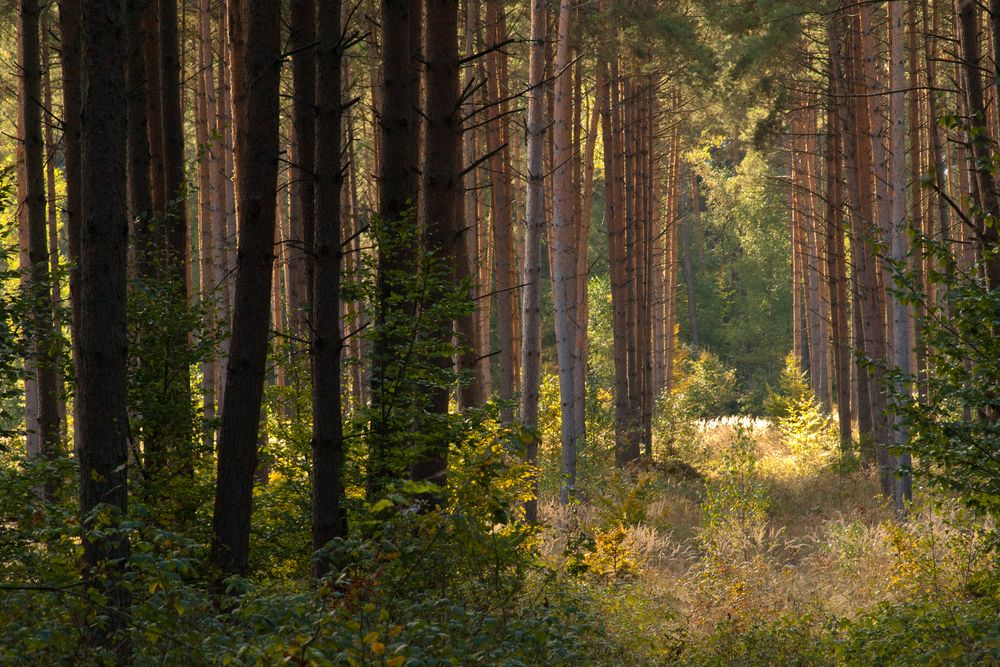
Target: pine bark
(38, 279)
(398, 185)
(102, 445)
(564, 266)
(301, 41)
(329, 514)
(254, 55)
(442, 188)
(535, 229)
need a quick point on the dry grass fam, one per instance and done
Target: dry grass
(828, 544)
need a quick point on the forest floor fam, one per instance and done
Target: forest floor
(757, 540)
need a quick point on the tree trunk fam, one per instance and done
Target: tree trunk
(102, 446)
(255, 53)
(53, 229)
(397, 179)
(442, 188)
(835, 246)
(607, 101)
(988, 235)
(563, 252)
(501, 191)
(531, 348)
(898, 240)
(37, 272)
(693, 221)
(329, 514)
(154, 113)
(205, 109)
(301, 41)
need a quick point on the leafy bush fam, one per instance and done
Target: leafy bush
(954, 420)
(709, 386)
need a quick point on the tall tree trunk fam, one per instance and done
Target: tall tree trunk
(563, 251)
(255, 55)
(607, 101)
(988, 235)
(154, 115)
(688, 250)
(39, 281)
(206, 197)
(301, 41)
(442, 187)
(329, 513)
(137, 144)
(531, 348)
(835, 246)
(501, 191)
(398, 180)
(102, 446)
(898, 240)
(173, 149)
(72, 94)
(472, 356)
(865, 234)
(53, 229)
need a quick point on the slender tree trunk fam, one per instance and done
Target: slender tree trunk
(564, 265)
(835, 246)
(500, 195)
(172, 128)
(139, 165)
(989, 235)
(255, 51)
(865, 234)
(607, 101)
(206, 197)
(688, 250)
(531, 348)
(898, 239)
(472, 356)
(301, 41)
(154, 113)
(39, 281)
(329, 514)
(53, 230)
(72, 94)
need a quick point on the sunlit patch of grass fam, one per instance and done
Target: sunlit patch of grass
(770, 527)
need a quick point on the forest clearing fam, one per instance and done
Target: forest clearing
(411, 333)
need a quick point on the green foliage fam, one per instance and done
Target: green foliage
(738, 500)
(413, 306)
(955, 426)
(922, 633)
(14, 307)
(709, 386)
(741, 267)
(791, 639)
(169, 338)
(807, 429)
(793, 388)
